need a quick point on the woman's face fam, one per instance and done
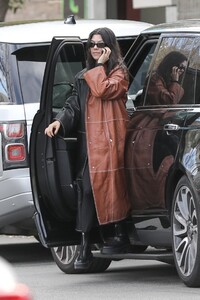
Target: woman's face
(182, 67)
(96, 46)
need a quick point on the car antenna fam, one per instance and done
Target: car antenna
(70, 20)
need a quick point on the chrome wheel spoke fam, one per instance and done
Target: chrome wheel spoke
(65, 253)
(180, 226)
(181, 249)
(183, 204)
(62, 253)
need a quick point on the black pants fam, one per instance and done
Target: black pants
(86, 214)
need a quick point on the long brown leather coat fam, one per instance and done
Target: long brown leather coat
(160, 94)
(99, 115)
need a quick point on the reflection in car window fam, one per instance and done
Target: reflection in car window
(164, 86)
(173, 81)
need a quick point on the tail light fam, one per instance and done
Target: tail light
(14, 145)
(14, 130)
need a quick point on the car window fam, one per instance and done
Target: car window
(174, 73)
(31, 62)
(192, 80)
(125, 44)
(4, 91)
(138, 72)
(69, 63)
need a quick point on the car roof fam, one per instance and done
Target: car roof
(189, 25)
(37, 32)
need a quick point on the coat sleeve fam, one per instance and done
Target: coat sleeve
(111, 87)
(69, 115)
(158, 93)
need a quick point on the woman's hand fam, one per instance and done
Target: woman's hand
(104, 56)
(52, 129)
(175, 74)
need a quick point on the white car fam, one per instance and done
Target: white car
(23, 52)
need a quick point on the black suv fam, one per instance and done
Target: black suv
(162, 155)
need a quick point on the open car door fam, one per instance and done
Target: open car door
(51, 160)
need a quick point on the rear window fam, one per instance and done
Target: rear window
(31, 64)
(4, 91)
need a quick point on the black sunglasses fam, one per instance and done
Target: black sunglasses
(182, 68)
(98, 44)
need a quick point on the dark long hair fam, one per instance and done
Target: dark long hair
(172, 59)
(110, 41)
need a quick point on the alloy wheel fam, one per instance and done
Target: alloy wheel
(185, 231)
(66, 254)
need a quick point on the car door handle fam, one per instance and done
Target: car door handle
(171, 127)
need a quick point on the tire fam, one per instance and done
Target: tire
(65, 256)
(185, 223)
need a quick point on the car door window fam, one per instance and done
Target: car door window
(192, 85)
(171, 79)
(67, 66)
(138, 72)
(125, 44)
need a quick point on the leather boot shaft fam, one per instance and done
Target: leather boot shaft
(85, 257)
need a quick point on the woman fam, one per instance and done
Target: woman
(164, 86)
(97, 111)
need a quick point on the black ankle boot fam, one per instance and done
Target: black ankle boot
(119, 243)
(85, 257)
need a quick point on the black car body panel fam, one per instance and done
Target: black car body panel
(55, 197)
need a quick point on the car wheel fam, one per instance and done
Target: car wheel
(65, 256)
(185, 220)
